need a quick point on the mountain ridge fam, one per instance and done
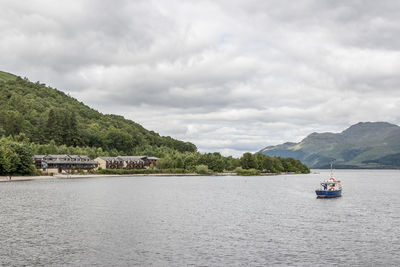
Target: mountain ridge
(362, 145)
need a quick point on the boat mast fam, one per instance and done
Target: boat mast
(331, 169)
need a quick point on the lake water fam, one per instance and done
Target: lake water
(202, 221)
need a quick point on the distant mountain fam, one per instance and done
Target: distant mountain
(42, 114)
(363, 145)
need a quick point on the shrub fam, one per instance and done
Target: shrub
(238, 170)
(202, 169)
(249, 172)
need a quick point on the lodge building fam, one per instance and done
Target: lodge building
(126, 162)
(67, 163)
(64, 163)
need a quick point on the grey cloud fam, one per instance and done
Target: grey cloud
(231, 76)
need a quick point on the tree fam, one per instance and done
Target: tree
(190, 161)
(70, 129)
(12, 122)
(165, 163)
(202, 169)
(232, 163)
(217, 162)
(247, 161)
(277, 166)
(24, 164)
(15, 158)
(53, 131)
(178, 163)
(116, 139)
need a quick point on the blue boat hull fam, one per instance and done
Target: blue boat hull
(328, 194)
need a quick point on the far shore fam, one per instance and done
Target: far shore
(77, 176)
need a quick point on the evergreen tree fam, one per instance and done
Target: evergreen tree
(52, 130)
(70, 129)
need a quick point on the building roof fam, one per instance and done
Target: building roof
(79, 157)
(64, 158)
(63, 161)
(56, 156)
(128, 158)
(110, 158)
(132, 158)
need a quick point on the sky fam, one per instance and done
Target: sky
(229, 76)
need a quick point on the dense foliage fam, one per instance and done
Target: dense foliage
(215, 162)
(170, 160)
(43, 114)
(15, 158)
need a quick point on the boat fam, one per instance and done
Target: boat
(330, 188)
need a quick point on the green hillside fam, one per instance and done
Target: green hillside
(42, 114)
(5, 76)
(363, 145)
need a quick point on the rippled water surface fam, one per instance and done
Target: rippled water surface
(208, 221)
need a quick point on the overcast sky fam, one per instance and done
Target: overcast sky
(230, 76)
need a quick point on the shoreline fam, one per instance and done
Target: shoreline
(80, 176)
(77, 176)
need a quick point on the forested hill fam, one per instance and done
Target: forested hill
(42, 114)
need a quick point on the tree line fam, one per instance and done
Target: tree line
(215, 162)
(16, 158)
